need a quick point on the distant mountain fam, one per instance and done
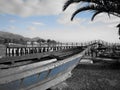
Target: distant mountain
(37, 39)
(7, 35)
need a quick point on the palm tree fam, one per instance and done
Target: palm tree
(98, 6)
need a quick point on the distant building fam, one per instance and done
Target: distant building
(32, 44)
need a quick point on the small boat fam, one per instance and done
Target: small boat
(38, 71)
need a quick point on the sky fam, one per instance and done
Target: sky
(45, 19)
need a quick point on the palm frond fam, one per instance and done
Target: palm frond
(91, 7)
(119, 29)
(96, 13)
(67, 4)
(109, 5)
(70, 2)
(99, 6)
(118, 25)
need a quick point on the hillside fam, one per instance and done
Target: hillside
(7, 37)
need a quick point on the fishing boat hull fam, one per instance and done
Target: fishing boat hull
(38, 76)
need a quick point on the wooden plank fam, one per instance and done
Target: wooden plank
(24, 57)
(27, 57)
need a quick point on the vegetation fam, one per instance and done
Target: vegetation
(99, 76)
(6, 37)
(98, 6)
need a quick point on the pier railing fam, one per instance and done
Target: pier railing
(20, 50)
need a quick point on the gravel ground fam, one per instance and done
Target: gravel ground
(99, 76)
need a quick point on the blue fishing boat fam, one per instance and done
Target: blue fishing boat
(38, 71)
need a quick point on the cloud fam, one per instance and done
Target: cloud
(66, 21)
(31, 7)
(12, 20)
(12, 28)
(104, 19)
(31, 28)
(105, 30)
(66, 16)
(38, 23)
(79, 34)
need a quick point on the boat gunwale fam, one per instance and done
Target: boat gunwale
(12, 74)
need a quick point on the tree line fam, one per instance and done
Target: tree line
(22, 41)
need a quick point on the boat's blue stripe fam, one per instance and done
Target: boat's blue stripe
(15, 85)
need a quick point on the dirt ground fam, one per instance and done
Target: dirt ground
(99, 76)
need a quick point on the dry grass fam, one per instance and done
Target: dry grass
(95, 77)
